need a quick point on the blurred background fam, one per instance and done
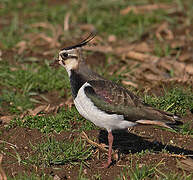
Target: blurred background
(145, 45)
(140, 44)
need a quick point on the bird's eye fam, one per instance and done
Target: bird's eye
(64, 55)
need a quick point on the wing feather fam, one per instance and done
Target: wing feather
(114, 99)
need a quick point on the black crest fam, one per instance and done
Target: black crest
(83, 42)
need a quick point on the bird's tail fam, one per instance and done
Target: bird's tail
(171, 124)
(175, 125)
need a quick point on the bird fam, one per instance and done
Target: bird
(103, 102)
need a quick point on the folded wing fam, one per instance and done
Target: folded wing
(114, 99)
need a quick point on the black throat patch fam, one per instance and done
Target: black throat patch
(77, 81)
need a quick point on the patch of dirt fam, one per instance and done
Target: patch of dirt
(52, 98)
(97, 59)
(8, 55)
(127, 145)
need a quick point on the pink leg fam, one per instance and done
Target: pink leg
(110, 140)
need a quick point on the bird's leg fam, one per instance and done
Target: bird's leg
(101, 147)
(110, 140)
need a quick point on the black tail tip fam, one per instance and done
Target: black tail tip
(175, 125)
(178, 123)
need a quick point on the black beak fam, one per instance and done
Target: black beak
(82, 43)
(55, 63)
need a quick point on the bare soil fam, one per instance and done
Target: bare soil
(127, 144)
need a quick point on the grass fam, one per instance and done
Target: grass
(186, 129)
(137, 173)
(23, 86)
(33, 176)
(130, 26)
(174, 100)
(174, 176)
(15, 102)
(146, 172)
(52, 152)
(33, 77)
(65, 120)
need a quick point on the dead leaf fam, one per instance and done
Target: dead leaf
(6, 119)
(123, 49)
(129, 83)
(143, 47)
(163, 63)
(47, 108)
(185, 79)
(112, 38)
(141, 56)
(185, 57)
(179, 68)
(189, 69)
(177, 44)
(2, 173)
(56, 35)
(148, 7)
(163, 32)
(42, 36)
(22, 46)
(37, 110)
(13, 68)
(66, 21)
(87, 27)
(152, 77)
(50, 108)
(104, 49)
(56, 32)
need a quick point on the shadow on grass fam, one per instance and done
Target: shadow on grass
(130, 143)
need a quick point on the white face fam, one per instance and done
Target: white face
(68, 59)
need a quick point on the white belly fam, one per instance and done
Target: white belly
(87, 109)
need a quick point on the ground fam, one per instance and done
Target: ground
(145, 46)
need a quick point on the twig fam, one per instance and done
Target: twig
(66, 21)
(101, 147)
(2, 173)
(1, 141)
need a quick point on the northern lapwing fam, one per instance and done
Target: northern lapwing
(105, 103)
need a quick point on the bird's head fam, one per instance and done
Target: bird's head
(69, 57)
